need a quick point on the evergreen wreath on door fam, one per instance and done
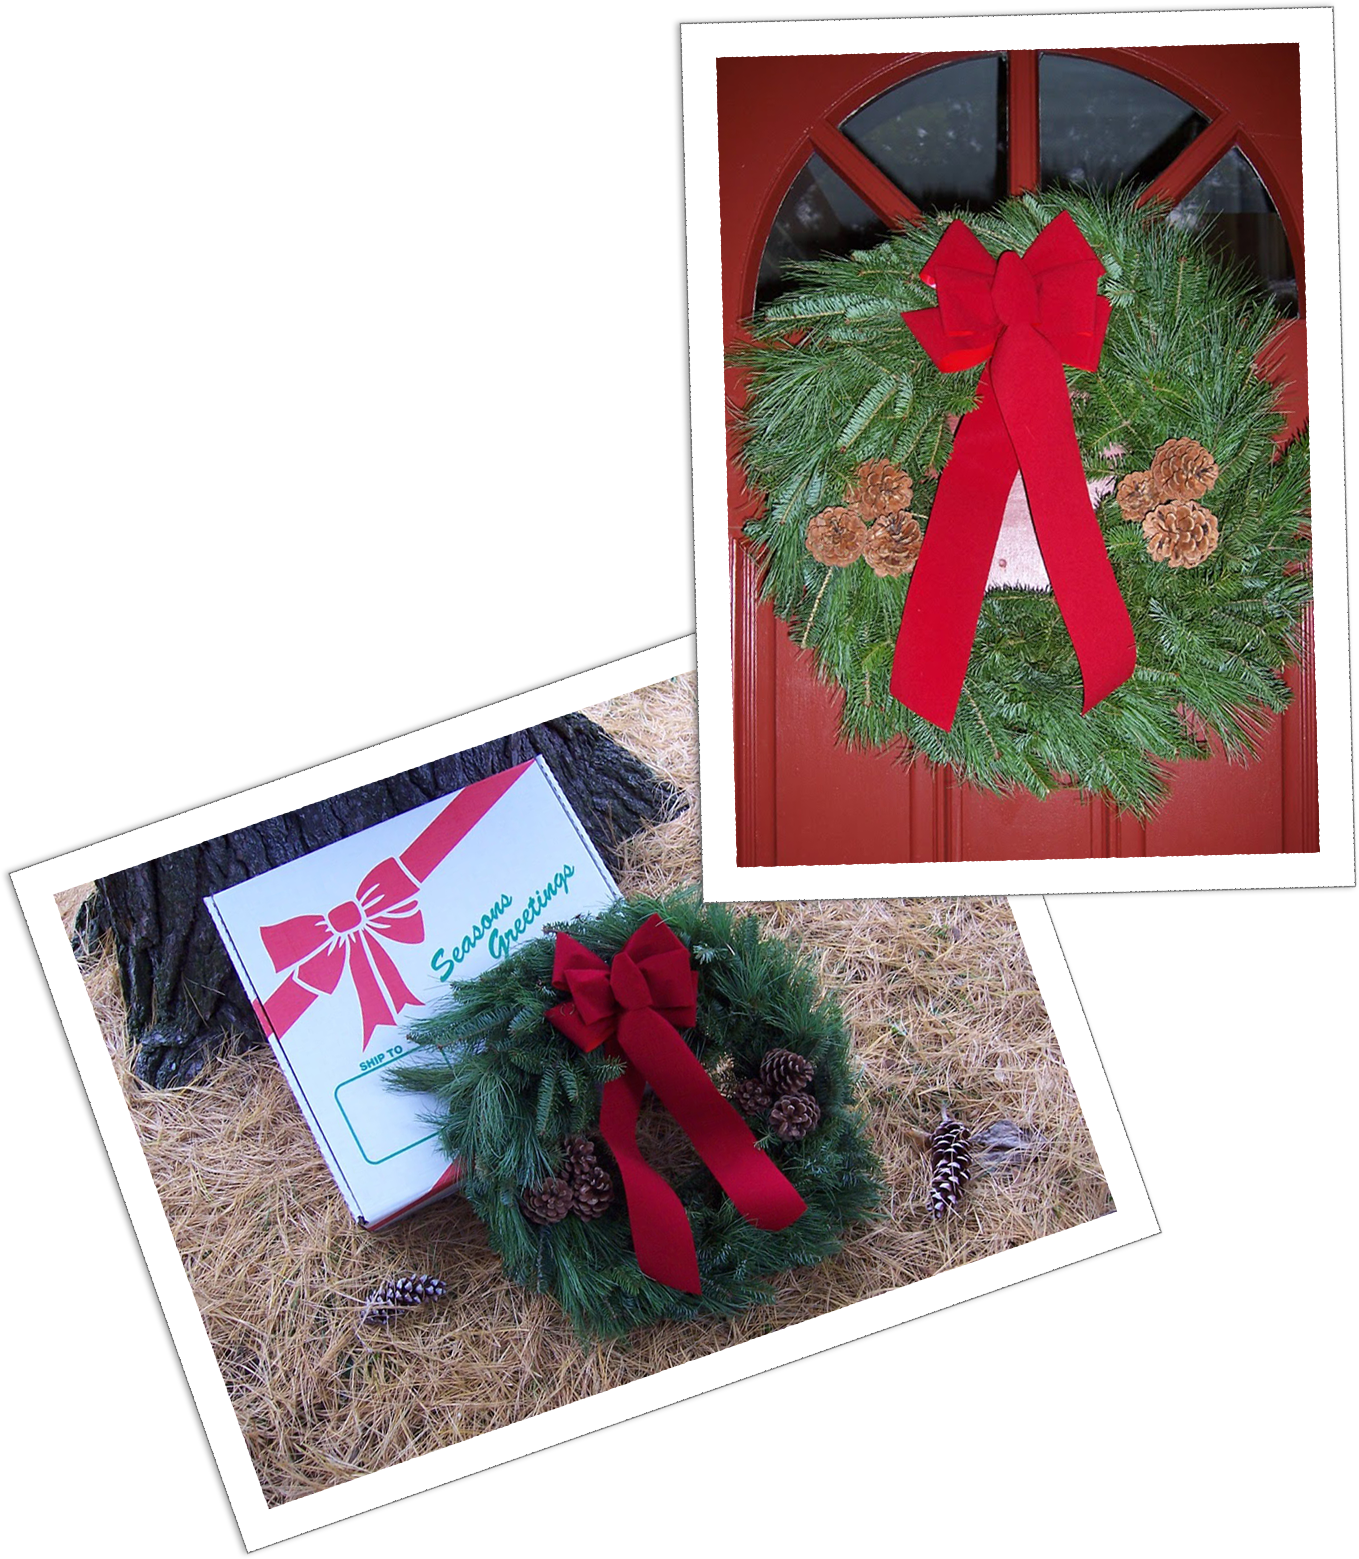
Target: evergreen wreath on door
(1064, 389)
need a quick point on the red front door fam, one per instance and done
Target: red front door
(811, 159)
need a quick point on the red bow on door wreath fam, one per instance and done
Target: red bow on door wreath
(1024, 317)
(635, 1007)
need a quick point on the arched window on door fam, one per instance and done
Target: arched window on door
(949, 138)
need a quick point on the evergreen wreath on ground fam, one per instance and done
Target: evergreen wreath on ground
(848, 425)
(520, 1108)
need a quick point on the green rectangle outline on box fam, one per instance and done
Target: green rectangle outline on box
(359, 1145)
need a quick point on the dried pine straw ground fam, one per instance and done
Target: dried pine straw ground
(944, 1011)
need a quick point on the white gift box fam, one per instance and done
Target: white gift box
(342, 949)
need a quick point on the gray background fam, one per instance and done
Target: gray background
(1024, 1424)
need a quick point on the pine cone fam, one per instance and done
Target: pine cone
(950, 1164)
(1180, 533)
(784, 1071)
(594, 1193)
(579, 1157)
(1135, 496)
(892, 546)
(1182, 468)
(388, 1300)
(549, 1202)
(880, 489)
(793, 1116)
(751, 1097)
(835, 537)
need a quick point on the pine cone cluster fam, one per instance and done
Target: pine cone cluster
(1181, 533)
(583, 1187)
(782, 1091)
(1135, 496)
(950, 1164)
(751, 1097)
(549, 1201)
(893, 545)
(835, 537)
(873, 523)
(1182, 468)
(794, 1116)
(389, 1299)
(1164, 501)
(879, 490)
(784, 1071)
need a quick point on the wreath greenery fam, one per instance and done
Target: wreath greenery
(517, 1093)
(835, 380)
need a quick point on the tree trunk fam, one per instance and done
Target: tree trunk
(181, 993)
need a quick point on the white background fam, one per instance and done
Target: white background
(298, 272)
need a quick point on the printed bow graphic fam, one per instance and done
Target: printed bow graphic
(315, 949)
(635, 1007)
(1024, 317)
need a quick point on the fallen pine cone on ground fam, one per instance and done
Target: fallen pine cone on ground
(950, 1165)
(390, 1299)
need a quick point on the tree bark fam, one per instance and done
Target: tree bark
(181, 992)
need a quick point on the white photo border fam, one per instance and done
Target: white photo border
(1333, 865)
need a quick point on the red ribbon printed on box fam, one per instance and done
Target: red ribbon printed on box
(635, 1007)
(1024, 317)
(316, 949)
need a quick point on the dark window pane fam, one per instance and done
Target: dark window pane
(1231, 208)
(940, 136)
(820, 215)
(1103, 127)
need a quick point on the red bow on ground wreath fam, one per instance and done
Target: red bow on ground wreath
(1024, 317)
(635, 1007)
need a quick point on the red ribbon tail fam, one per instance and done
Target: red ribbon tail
(943, 603)
(1032, 395)
(661, 1235)
(762, 1194)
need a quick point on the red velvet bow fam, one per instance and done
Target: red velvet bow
(635, 1007)
(1023, 317)
(316, 948)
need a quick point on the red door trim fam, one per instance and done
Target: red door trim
(1207, 148)
(1021, 76)
(862, 176)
